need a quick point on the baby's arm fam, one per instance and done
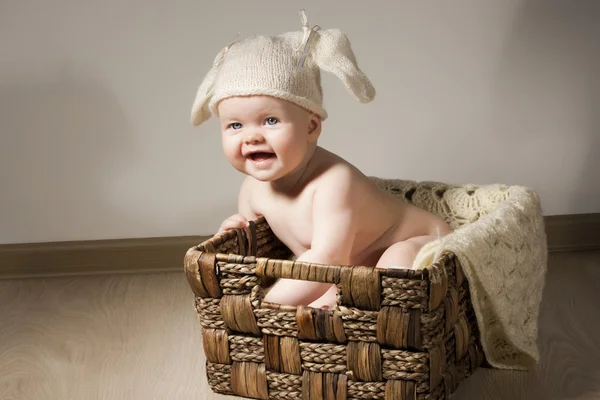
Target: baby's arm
(245, 212)
(333, 231)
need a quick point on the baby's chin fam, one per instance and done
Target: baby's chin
(265, 176)
(262, 176)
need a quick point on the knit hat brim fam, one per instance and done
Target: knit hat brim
(305, 103)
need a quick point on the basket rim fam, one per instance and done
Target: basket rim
(213, 242)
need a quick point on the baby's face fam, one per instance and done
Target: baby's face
(265, 137)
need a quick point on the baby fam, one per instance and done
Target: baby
(266, 92)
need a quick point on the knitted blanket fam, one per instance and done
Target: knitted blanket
(499, 238)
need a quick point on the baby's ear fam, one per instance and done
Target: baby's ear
(332, 52)
(200, 110)
(314, 127)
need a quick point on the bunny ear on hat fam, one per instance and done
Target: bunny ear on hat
(332, 52)
(200, 110)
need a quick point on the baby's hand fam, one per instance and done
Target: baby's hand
(236, 221)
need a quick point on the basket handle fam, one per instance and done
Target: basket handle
(358, 286)
(306, 271)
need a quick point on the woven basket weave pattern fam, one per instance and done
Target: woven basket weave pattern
(395, 334)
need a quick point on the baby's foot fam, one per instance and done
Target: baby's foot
(327, 301)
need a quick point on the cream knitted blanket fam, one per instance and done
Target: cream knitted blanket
(499, 238)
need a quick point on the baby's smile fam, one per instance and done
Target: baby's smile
(261, 158)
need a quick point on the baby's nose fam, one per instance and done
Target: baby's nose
(254, 137)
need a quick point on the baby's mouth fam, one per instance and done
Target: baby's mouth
(261, 156)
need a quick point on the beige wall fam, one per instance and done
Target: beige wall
(95, 139)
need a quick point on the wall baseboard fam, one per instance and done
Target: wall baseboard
(573, 232)
(92, 257)
(165, 254)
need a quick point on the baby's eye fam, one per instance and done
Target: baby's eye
(235, 125)
(272, 121)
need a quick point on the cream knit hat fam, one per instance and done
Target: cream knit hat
(285, 66)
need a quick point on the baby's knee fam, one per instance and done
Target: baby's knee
(400, 254)
(409, 249)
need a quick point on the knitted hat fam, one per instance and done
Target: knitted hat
(286, 66)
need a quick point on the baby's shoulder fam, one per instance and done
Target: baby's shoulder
(339, 182)
(338, 175)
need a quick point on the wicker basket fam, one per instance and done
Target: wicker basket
(395, 334)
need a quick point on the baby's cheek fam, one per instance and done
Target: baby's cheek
(291, 150)
(232, 152)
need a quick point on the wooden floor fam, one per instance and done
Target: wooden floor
(137, 337)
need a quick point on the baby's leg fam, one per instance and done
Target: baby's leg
(296, 292)
(403, 254)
